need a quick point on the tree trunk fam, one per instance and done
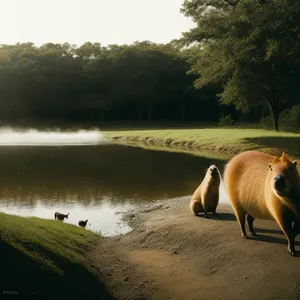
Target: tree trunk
(275, 117)
(274, 111)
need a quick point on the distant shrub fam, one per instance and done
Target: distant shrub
(290, 118)
(226, 121)
(266, 122)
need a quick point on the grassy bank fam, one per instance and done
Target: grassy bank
(47, 257)
(230, 141)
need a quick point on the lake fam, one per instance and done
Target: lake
(81, 174)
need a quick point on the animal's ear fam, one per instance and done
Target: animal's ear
(294, 163)
(284, 157)
(270, 166)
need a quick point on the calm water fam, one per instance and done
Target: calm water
(82, 175)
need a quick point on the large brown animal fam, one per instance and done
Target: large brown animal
(264, 187)
(61, 217)
(206, 197)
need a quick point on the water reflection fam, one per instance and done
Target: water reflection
(93, 182)
(102, 217)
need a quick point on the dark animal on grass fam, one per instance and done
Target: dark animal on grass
(82, 223)
(61, 217)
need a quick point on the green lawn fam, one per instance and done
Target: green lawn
(48, 257)
(229, 141)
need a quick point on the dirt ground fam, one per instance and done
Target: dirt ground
(172, 254)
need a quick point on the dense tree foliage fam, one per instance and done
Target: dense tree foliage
(92, 83)
(241, 62)
(250, 48)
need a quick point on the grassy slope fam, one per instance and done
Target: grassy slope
(46, 256)
(221, 140)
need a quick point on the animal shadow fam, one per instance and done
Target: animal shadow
(271, 239)
(264, 230)
(220, 216)
(292, 143)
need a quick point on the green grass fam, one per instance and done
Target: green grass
(45, 241)
(47, 256)
(226, 140)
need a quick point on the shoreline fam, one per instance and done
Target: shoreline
(212, 142)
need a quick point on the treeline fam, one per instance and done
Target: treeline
(240, 63)
(139, 82)
(143, 82)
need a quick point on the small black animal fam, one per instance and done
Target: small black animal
(82, 223)
(61, 217)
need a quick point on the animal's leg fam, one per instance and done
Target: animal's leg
(288, 230)
(250, 220)
(240, 215)
(214, 208)
(296, 229)
(196, 207)
(205, 206)
(215, 203)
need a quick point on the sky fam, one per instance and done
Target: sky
(79, 21)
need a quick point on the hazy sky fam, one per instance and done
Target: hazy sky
(78, 21)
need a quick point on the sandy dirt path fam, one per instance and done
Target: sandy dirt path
(172, 254)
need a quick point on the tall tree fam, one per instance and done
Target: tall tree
(250, 47)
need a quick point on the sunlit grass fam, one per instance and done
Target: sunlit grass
(215, 139)
(50, 243)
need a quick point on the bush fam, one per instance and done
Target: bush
(226, 121)
(266, 122)
(290, 118)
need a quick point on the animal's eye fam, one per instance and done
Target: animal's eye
(291, 168)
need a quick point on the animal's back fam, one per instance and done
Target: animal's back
(244, 178)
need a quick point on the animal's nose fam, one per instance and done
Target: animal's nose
(214, 171)
(279, 180)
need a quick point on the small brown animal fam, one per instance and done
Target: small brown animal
(264, 187)
(206, 197)
(61, 217)
(82, 223)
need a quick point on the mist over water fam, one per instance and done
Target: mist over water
(33, 137)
